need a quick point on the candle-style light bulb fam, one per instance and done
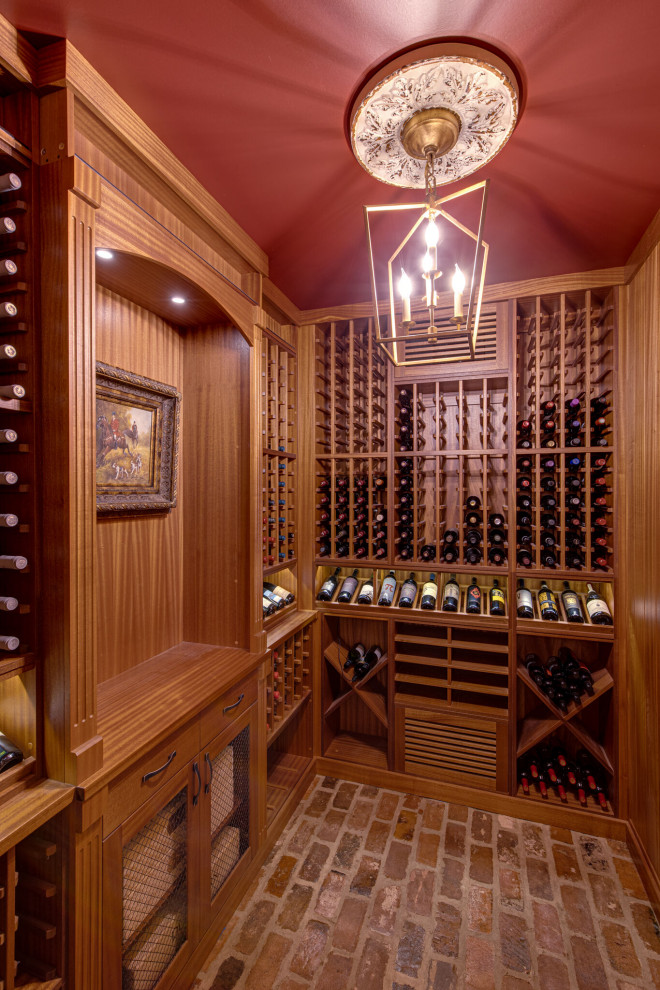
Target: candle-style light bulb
(458, 285)
(405, 288)
(427, 262)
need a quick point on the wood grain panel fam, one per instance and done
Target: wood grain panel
(216, 437)
(84, 912)
(139, 558)
(639, 542)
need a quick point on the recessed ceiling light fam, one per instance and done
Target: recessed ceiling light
(179, 300)
(104, 253)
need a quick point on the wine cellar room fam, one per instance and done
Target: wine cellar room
(357, 308)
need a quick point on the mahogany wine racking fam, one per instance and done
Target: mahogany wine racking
(447, 464)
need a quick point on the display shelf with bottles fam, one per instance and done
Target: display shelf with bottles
(279, 472)
(597, 622)
(565, 432)
(279, 595)
(562, 769)
(343, 587)
(354, 698)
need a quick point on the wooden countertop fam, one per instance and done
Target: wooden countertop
(28, 808)
(141, 707)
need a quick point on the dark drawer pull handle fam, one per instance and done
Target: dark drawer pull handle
(235, 705)
(199, 783)
(154, 773)
(207, 786)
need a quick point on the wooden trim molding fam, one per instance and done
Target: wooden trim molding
(62, 65)
(492, 293)
(16, 54)
(645, 867)
(643, 248)
(68, 192)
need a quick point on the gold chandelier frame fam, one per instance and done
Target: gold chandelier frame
(391, 343)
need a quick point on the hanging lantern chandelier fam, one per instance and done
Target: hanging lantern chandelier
(426, 119)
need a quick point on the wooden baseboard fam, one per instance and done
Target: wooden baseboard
(497, 803)
(645, 867)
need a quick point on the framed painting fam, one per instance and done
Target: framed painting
(137, 439)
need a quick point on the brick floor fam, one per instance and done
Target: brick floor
(367, 889)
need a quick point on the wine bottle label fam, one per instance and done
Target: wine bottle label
(547, 602)
(349, 586)
(450, 593)
(524, 598)
(596, 605)
(497, 596)
(571, 601)
(408, 590)
(474, 593)
(328, 586)
(430, 589)
(8, 604)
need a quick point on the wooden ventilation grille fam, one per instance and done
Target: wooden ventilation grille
(452, 346)
(450, 748)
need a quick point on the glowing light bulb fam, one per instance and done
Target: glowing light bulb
(432, 233)
(405, 288)
(427, 262)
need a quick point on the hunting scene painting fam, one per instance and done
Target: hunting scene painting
(137, 432)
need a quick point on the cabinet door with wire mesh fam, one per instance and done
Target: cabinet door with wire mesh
(147, 889)
(228, 806)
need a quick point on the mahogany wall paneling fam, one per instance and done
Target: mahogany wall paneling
(217, 565)
(69, 189)
(639, 580)
(139, 558)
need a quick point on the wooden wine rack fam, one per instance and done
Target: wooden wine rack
(20, 670)
(565, 350)
(463, 442)
(279, 393)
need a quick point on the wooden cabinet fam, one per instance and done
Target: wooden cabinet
(166, 868)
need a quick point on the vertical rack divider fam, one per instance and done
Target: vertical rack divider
(350, 398)
(587, 431)
(484, 466)
(332, 451)
(371, 445)
(460, 464)
(537, 376)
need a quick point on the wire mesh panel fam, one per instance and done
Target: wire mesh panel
(155, 896)
(230, 808)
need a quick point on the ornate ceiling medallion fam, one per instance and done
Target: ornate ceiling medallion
(469, 95)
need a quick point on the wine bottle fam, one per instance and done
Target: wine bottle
(408, 592)
(7, 352)
(496, 599)
(524, 601)
(473, 598)
(451, 595)
(348, 587)
(597, 608)
(428, 551)
(288, 596)
(329, 587)
(497, 536)
(9, 182)
(547, 603)
(387, 590)
(429, 594)
(369, 660)
(8, 604)
(8, 519)
(7, 225)
(473, 537)
(496, 520)
(355, 653)
(496, 555)
(524, 557)
(8, 436)
(277, 600)
(366, 595)
(9, 643)
(572, 605)
(268, 607)
(12, 392)
(473, 502)
(473, 517)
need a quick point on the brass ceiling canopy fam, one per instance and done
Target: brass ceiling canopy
(458, 102)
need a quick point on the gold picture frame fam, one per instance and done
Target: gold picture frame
(137, 441)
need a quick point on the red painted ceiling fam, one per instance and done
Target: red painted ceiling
(251, 96)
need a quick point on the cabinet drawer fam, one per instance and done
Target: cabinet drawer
(217, 717)
(129, 791)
